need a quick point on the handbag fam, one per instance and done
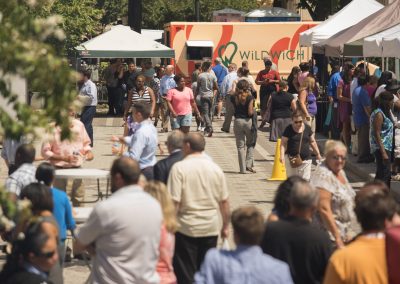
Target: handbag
(296, 161)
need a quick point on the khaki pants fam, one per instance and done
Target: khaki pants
(244, 139)
(311, 123)
(74, 188)
(164, 112)
(229, 111)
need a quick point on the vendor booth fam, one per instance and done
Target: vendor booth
(350, 15)
(122, 42)
(344, 43)
(119, 42)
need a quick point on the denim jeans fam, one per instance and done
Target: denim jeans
(206, 112)
(87, 116)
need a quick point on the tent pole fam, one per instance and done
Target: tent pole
(397, 67)
(383, 63)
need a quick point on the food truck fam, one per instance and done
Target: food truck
(235, 42)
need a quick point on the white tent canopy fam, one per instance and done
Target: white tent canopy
(372, 45)
(391, 45)
(344, 42)
(351, 14)
(122, 42)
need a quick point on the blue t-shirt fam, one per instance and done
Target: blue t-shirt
(220, 72)
(360, 100)
(333, 84)
(62, 212)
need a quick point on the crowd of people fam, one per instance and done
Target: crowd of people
(167, 232)
(161, 224)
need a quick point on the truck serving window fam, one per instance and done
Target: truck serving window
(198, 49)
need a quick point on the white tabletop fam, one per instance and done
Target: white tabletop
(82, 173)
(81, 214)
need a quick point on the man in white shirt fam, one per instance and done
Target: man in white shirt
(123, 232)
(198, 187)
(89, 94)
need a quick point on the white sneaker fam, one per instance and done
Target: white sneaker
(202, 129)
(198, 128)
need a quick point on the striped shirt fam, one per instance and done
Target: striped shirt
(142, 97)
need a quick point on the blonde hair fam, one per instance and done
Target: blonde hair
(308, 84)
(159, 191)
(332, 145)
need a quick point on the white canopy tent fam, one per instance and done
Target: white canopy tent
(345, 42)
(373, 45)
(351, 14)
(122, 42)
(391, 45)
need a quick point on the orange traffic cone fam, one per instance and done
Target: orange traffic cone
(279, 170)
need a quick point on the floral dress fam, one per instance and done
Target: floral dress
(386, 133)
(342, 202)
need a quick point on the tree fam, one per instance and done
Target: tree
(25, 51)
(113, 10)
(157, 13)
(321, 9)
(80, 21)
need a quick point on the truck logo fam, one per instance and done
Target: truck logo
(224, 51)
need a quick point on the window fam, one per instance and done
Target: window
(199, 49)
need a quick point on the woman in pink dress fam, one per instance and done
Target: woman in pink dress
(344, 97)
(167, 238)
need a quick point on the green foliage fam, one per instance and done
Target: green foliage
(80, 21)
(156, 13)
(25, 52)
(112, 10)
(321, 9)
(12, 213)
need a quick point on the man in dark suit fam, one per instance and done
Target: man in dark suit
(174, 144)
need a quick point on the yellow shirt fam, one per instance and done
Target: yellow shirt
(198, 184)
(361, 262)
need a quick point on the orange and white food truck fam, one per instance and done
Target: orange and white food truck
(235, 42)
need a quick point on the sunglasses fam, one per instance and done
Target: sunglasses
(337, 158)
(298, 122)
(49, 254)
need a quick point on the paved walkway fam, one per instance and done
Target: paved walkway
(248, 189)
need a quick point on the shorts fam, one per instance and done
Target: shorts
(182, 120)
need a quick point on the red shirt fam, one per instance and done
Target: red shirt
(271, 74)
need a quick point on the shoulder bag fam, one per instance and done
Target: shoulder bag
(296, 161)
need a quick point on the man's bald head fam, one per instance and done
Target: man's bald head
(194, 143)
(124, 171)
(169, 70)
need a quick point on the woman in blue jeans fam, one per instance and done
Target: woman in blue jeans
(381, 136)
